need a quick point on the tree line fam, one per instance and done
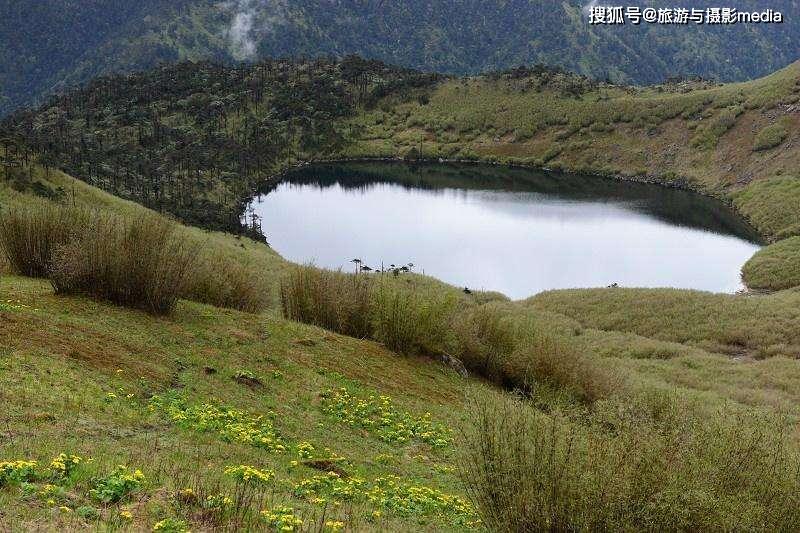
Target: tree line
(197, 139)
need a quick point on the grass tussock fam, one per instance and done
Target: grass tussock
(412, 323)
(332, 300)
(772, 135)
(775, 267)
(138, 263)
(545, 358)
(29, 235)
(503, 347)
(772, 205)
(485, 336)
(518, 352)
(143, 262)
(220, 281)
(645, 464)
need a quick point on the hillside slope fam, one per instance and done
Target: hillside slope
(47, 45)
(707, 137)
(164, 395)
(78, 377)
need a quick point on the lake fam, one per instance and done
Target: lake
(516, 231)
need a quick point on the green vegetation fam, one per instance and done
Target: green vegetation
(698, 136)
(340, 432)
(30, 236)
(708, 134)
(47, 45)
(331, 300)
(720, 323)
(137, 263)
(140, 262)
(772, 205)
(775, 267)
(261, 450)
(772, 136)
(195, 140)
(637, 408)
(158, 384)
(639, 465)
(272, 115)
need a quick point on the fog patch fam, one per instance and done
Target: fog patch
(250, 22)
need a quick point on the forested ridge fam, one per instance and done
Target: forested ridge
(50, 45)
(195, 139)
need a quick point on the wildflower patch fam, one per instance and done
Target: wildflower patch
(13, 305)
(63, 465)
(231, 425)
(391, 494)
(17, 471)
(250, 475)
(171, 525)
(282, 519)
(117, 486)
(379, 414)
(52, 484)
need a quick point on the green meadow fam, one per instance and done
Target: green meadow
(159, 376)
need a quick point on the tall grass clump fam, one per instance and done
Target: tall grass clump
(628, 470)
(134, 262)
(516, 351)
(29, 235)
(221, 281)
(333, 300)
(543, 357)
(485, 336)
(772, 135)
(490, 339)
(408, 322)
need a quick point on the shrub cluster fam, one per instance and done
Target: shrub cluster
(332, 300)
(487, 339)
(140, 262)
(631, 465)
(29, 235)
(137, 263)
(409, 323)
(223, 282)
(710, 131)
(770, 137)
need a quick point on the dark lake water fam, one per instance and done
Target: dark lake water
(510, 230)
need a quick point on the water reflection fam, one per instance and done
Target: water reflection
(512, 230)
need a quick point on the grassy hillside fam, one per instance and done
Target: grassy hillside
(701, 136)
(164, 395)
(705, 137)
(196, 139)
(79, 378)
(671, 409)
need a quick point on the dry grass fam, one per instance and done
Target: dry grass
(547, 358)
(135, 258)
(495, 340)
(29, 235)
(645, 464)
(332, 300)
(411, 322)
(137, 263)
(218, 280)
(485, 338)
